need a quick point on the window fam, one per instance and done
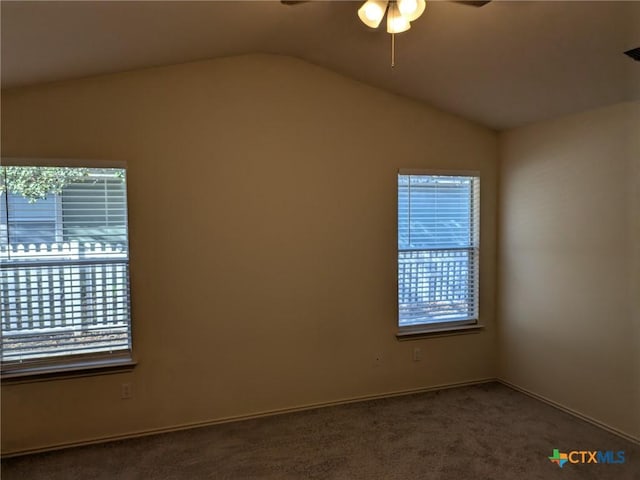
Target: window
(438, 247)
(64, 269)
(36, 224)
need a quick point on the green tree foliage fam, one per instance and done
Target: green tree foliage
(35, 183)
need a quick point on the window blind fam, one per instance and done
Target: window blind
(438, 248)
(64, 265)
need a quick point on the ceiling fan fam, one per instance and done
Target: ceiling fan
(400, 14)
(385, 5)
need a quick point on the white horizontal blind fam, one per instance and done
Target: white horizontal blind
(438, 247)
(64, 272)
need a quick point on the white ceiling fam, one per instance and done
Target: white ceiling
(503, 65)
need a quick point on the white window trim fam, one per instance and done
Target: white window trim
(447, 173)
(439, 329)
(61, 162)
(79, 365)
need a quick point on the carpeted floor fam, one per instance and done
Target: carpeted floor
(482, 432)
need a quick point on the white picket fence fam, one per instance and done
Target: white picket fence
(63, 286)
(435, 285)
(64, 251)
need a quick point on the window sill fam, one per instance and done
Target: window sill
(430, 332)
(81, 368)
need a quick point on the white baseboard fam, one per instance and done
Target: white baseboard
(311, 406)
(237, 418)
(571, 411)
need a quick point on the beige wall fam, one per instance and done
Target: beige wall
(569, 262)
(262, 224)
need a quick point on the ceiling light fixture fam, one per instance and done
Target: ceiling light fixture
(400, 14)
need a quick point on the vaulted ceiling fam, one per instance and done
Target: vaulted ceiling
(503, 65)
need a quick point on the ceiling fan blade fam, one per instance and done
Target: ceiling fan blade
(471, 3)
(474, 3)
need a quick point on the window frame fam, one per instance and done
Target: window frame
(81, 364)
(442, 328)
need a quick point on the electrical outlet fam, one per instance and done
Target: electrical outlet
(377, 361)
(417, 354)
(126, 391)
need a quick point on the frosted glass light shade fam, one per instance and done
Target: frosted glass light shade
(411, 9)
(396, 22)
(372, 12)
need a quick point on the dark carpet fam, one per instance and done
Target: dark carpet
(486, 431)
